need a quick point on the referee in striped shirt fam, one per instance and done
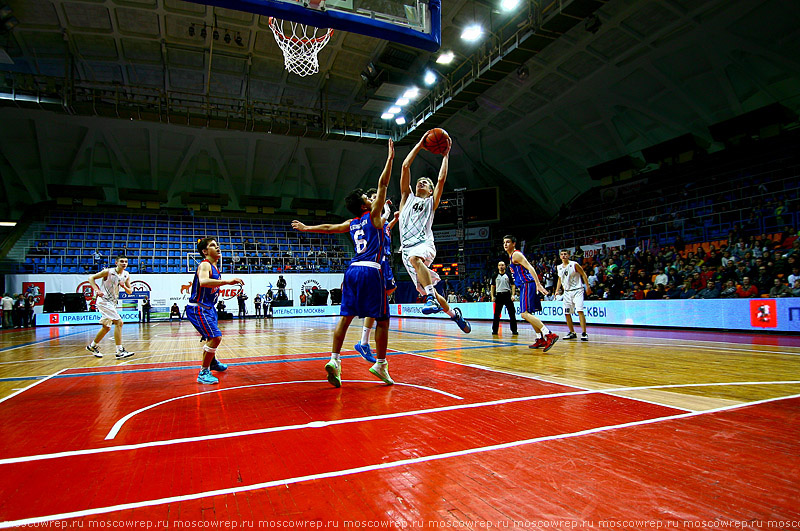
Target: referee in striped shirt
(503, 296)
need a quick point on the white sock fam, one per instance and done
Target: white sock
(430, 291)
(365, 335)
(120, 347)
(93, 344)
(545, 330)
(382, 362)
(335, 356)
(450, 312)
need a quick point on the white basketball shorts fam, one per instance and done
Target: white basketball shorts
(573, 301)
(427, 252)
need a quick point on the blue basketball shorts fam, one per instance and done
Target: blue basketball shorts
(363, 291)
(529, 298)
(204, 320)
(388, 276)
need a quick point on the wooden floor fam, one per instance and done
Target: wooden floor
(660, 426)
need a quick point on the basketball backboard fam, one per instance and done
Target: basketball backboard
(415, 23)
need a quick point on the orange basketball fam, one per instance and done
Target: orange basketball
(436, 141)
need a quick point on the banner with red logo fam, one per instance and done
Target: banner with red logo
(36, 289)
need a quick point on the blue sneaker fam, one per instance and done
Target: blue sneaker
(462, 324)
(205, 377)
(431, 306)
(217, 366)
(365, 352)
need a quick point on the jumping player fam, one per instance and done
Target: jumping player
(363, 289)
(107, 296)
(529, 302)
(201, 307)
(362, 347)
(416, 217)
(570, 274)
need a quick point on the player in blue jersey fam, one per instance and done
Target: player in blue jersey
(363, 287)
(362, 347)
(529, 287)
(201, 308)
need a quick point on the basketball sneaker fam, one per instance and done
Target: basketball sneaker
(430, 306)
(539, 343)
(459, 320)
(571, 335)
(334, 370)
(205, 377)
(94, 350)
(550, 340)
(365, 352)
(584, 337)
(381, 370)
(122, 353)
(217, 366)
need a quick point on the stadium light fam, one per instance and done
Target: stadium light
(401, 120)
(430, 77)
(472, 32)
(508, 5)
(387, 116)
(445, 58)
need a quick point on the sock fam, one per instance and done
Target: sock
(545, 330)
(365, 335)
(429, 291)
(119, 348)
(93, 344)
(450, 312)
(382, 362)
(335, 356)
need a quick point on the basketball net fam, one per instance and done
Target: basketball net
(300, 45)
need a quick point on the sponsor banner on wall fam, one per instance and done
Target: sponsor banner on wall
(781, 315)
(166, 289)
(451, 235)
(594, 249)
(82, 318)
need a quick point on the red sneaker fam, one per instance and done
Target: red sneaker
(540, 342)
(550, 340)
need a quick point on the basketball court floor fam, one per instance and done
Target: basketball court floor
(640, 428)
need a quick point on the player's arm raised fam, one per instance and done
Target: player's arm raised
(325, 228)
(383, 184)
(97, 276)
(405, 173)
(437, 192)
(580, 270)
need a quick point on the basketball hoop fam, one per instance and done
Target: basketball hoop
(300, 48)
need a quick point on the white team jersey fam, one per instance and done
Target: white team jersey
(415, 220)
(110, 285)
(570, 278)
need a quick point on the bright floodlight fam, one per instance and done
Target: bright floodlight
(401, 102)
(446, 58)
(401, 120)
(430, 78)
(472, 33)
(394, 109)
(387, 116)
(411, 93)
(508, 5)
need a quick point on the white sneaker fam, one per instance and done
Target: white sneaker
(334, 370)
(381, 370)
(584, 337)
(122, 353)
(94, 350)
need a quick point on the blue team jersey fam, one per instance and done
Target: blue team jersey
(521, 275)
(387, 242)
(368, 241)
(205, 296)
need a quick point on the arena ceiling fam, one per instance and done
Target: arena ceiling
(653, 71)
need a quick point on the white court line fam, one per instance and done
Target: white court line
(201, 438)
(700, 347)
(118, 425)
(369, 468)
(32, 385)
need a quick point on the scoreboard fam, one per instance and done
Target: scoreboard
(446, 270)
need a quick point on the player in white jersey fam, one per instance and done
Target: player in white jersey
(416, 237)
(107, 296)
(572, 278)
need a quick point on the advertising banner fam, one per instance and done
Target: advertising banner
(83, 318)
